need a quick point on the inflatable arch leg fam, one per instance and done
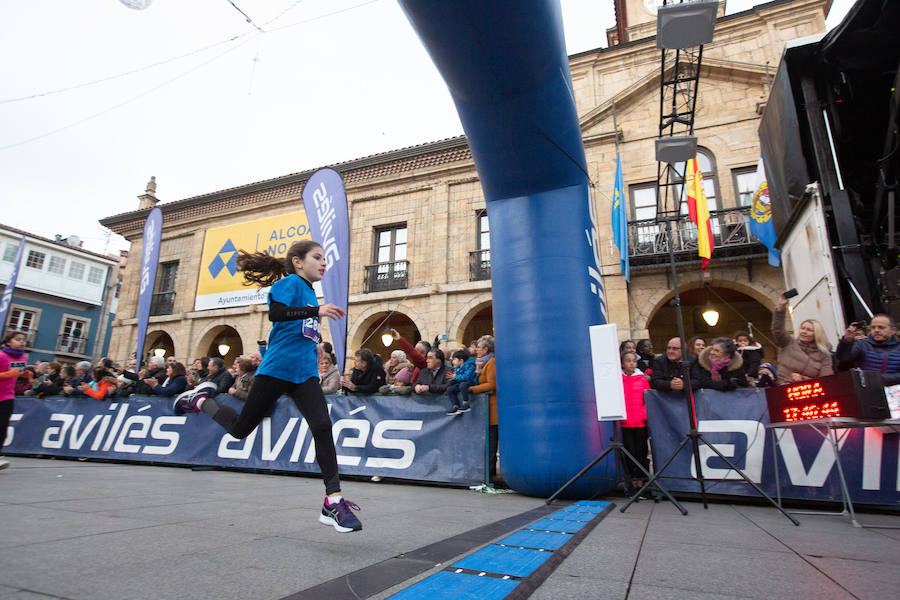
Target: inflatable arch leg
(507, 69)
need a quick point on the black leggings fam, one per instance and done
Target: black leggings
(264, 393)
(635, 441)
(6, 409)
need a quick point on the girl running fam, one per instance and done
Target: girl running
(12, 362)
(289, 367)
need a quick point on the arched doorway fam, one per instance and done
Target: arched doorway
(377, 325)
(737, 312)
(481, 323)
(158, 343)
(222, 341)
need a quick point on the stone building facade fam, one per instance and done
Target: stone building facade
(420, 238)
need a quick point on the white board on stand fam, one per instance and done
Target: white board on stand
(608, 390)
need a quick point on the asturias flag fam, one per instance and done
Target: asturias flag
(761, 215)
(698, 209)
(620, 220)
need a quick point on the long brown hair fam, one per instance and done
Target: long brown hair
(264, 269)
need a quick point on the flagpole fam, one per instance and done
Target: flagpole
(615, 126)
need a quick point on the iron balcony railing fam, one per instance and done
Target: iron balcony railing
(162, 303)
(381, 277)
(479, 265)
(648, 244)
(71, 344)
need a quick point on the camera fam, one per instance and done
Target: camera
(791, 293)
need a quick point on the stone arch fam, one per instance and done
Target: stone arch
(466, 313)
(759, 291)
(210, 333)
(159, 338)
(371, 316)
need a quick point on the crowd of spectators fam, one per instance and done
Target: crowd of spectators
(739, 361)
(161, 376)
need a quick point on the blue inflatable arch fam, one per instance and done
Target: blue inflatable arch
(506, 66)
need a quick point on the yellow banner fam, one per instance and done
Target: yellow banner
(219, 283)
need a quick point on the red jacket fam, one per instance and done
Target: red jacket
(635, 411)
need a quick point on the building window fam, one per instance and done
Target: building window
(643, 201)
(643, 195)
(24, 320)
(9, 253)
(57, 265)
(76, 270)
(35, 259)
(480, 259)
(744, 185)
(390, 269)
(95, 275)
(484, 230)
(73, 339)
(163, 301)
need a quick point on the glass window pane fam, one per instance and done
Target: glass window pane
(400, 252)
(400, 238)
(484, 241)
(746, 187)
(704, 162)
(384, 255)
(95, 275)
(76, 270)
(57, 265)
(9, 253)
(384, 238)
(35, 259)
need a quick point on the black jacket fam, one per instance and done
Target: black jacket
(435, 380)
(223, 380)
(367, 382)
(732, 374)
(663, 372)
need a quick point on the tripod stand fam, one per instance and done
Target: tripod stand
(620, 453)
(694, 436)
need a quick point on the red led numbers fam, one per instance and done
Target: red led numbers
(805, 407)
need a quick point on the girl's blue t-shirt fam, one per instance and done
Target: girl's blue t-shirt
(292, 353)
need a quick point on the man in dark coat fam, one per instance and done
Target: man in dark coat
(433, 378)
(667, 373)
(878, 351)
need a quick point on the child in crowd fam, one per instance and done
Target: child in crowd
(768, 376)
(464, 377)
(634, 428)
(102, 385)
(402, 382)
(751, 353)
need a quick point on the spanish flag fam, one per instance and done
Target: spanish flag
(698, 209)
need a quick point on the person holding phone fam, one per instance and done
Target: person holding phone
(877, 351)
(806, 356)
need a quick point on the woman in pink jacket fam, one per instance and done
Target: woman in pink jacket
(634, 427)
(12, 362)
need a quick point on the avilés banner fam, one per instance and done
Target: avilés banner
(149, 260)
(325, 203)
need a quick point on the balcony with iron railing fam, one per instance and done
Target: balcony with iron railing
(162, 303)
(70, 344)
(479, 265)
(382, 277)
(30, 335)
(648, 245)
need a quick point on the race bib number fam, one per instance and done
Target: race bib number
(311, 329)
(18, 364)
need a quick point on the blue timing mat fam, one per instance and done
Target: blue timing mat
(506, 66)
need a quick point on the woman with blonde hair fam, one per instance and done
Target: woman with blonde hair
(805, 357)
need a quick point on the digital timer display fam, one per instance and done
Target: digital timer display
(839, 395)
(808, 401)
